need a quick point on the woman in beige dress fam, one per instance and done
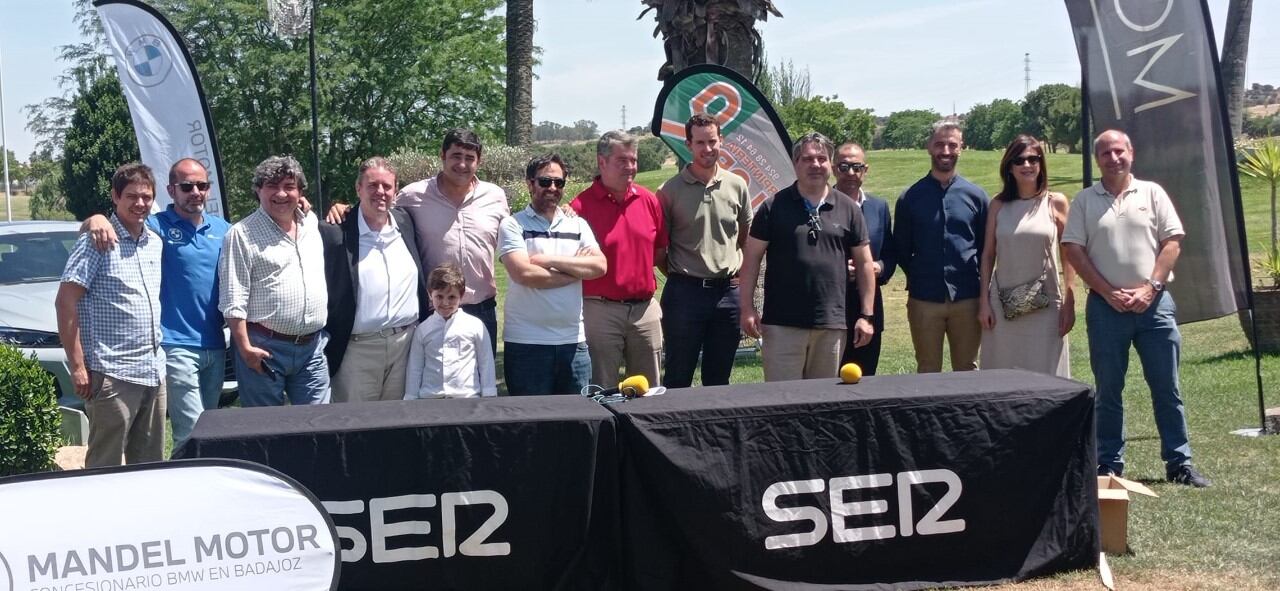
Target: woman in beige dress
(1022, 244)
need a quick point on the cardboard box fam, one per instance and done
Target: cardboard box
(1113, 511)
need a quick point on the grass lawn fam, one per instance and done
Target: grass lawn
(21, 207)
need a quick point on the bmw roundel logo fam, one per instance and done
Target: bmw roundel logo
(149, 60)
(175, 234)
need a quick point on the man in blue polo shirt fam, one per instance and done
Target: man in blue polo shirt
(940, 223)
(190, 321)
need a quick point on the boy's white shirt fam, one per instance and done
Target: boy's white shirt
(451, 358)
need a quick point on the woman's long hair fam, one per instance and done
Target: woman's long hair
(1009, 186)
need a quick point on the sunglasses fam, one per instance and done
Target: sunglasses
(854, 166)
(1021, 160)
(815, 225)
(187, 187)
(546, 181)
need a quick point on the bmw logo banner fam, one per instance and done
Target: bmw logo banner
(166, 102)
(186, 524)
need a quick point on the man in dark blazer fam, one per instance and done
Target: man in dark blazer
(851, 171)
(377, 291)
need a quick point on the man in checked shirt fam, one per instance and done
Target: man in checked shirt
(273, 293)
(108, 309)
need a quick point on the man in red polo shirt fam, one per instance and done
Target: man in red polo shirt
(622, 321)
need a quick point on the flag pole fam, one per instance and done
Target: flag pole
(4, 147)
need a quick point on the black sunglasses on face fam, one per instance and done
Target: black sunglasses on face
(546, 181)
(187, 187)
(1021, 160)
(854, 166)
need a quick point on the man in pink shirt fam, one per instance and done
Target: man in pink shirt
(623, 322)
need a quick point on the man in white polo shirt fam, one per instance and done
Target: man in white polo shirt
(1123, 237)
(547, 255)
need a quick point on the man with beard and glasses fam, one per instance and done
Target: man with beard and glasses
(547, 255)
(851, 171)
(940, 224)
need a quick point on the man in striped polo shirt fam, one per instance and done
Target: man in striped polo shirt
(547, 255)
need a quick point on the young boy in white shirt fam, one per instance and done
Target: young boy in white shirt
(450, 356)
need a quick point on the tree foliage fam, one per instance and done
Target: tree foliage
(29, 420)
(993, 125)
(550, 131)
(908, 130)
(1052, 112)
(830, 117)
(99, 140)
(784, 83)
(87, 62)
(392, 74)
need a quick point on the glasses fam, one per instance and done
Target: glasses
(815, 225)
(854, 166)
(187, 187)
(1021, 160)
(547, 181)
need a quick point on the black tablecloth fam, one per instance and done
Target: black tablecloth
(405, 468)
(1018, 448)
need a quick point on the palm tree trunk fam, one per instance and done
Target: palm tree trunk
(520, 27)
(1235, 51)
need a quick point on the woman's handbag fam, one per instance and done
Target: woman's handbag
(1026, 298)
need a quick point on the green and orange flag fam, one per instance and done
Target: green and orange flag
(754, 145)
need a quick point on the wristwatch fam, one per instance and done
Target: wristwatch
(1156, 285)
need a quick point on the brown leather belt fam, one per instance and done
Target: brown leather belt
(301, 339)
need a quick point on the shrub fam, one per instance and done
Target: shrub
(651, 154)
(29, 421)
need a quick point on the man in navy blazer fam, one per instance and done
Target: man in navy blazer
(851, 171)
(377, 291)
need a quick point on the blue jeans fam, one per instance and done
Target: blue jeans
(299, 372)
(698, 320)
(1154, 333)
(194, 382)
(546, 369)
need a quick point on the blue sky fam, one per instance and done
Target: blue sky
(597, 58)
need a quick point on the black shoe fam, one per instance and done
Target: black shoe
(1186, 474)
(1105, 470)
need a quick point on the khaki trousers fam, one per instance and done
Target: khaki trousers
(373, 368)
(958, 321)
(126, 422)
(618, 332)
(794, 353)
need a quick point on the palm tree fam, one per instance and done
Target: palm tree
(710, 32)
(520, 27)
(1235, 50)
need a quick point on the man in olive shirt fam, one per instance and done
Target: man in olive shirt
(708, 211)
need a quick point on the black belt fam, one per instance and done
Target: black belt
(629, 302)
(706, 283)
(300, 339)
(488, 304)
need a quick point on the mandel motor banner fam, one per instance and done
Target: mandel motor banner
(755, 145)
(200, 525)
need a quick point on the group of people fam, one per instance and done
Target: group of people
(395, 297)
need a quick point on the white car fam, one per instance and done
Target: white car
(32, 257)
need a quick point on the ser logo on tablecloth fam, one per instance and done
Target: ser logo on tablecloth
(381, 529)
(930, 523)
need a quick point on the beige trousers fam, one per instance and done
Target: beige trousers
(373, 368)
(958, 321)
(620, 333)
(126, 422)
(794, 353)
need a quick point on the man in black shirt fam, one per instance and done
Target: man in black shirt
(808, 231)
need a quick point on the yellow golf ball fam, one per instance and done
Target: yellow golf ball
(850, 373)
